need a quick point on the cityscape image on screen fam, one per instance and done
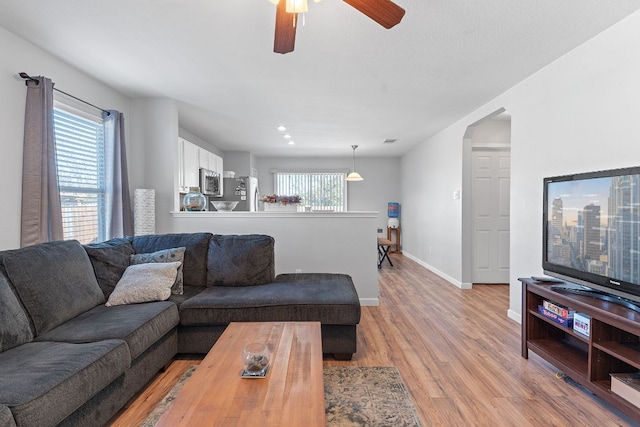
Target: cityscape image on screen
(593, 226)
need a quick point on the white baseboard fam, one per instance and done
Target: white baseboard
(445, 276)
(514, 316)
(370, 301)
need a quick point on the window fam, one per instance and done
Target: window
(319, 190)
(79, 140)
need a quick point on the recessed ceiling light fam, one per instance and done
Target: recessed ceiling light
(281, 128)
(291, 142)
(287, 136)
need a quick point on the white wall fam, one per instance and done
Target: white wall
(431, 217)
(239, 162)
(18, 55)
(183, 133)
(381, 183)
(492, 133)
(580, 113)
(154, 130)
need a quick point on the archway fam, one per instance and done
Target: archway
(485, 200)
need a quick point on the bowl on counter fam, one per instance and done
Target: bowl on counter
(224, 206)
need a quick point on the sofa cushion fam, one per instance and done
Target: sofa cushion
(110, 259)
(44, 382)
(55, 282)
(14, 323)
(145, 283)
(240, 260)
(165, 255)
(188, 292)
(6, 417)
(140, 325)
(195, 256)
(327, 298)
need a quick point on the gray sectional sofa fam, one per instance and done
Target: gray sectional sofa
(68, 356)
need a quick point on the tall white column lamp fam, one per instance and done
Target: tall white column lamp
(144, 211)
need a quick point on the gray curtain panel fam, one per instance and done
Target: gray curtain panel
(41, 211)
(119, 217)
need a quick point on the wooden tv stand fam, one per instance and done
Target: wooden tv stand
(613, 345)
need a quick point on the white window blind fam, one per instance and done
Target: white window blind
(319, 190)
(81, 174)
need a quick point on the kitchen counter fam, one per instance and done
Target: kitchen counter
(306, 242)
(265, 214)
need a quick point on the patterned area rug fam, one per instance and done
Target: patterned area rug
(354, 396)
(363, 396)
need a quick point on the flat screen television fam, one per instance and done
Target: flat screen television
(591, 232)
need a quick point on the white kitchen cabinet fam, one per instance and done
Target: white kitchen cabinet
(180, 165)
(208, 160)
(215, 163)
(212, 161)
(191, 159)
(190, 165)
(219, 165)
(203, 158)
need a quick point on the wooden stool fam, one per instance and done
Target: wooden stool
(383, 251)
(395, 244)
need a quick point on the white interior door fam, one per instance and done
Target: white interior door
(490, 213)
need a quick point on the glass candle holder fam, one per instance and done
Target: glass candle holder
(255, 359)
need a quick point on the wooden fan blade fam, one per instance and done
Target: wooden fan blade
(285, 37)
(384, 12)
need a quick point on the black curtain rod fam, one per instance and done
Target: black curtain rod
(28, 79)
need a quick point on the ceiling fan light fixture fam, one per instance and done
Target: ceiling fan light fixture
(354, 176)
(297, 6)
(384, 12)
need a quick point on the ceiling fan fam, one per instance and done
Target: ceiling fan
(384, 12)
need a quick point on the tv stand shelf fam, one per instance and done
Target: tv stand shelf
(612, 347)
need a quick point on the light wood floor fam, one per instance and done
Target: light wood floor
(458, 353)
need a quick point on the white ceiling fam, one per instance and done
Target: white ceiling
(349, 81)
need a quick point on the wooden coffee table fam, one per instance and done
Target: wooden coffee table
(292, 394)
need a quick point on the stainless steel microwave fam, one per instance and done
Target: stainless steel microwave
(210, 183)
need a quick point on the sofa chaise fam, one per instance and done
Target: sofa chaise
(74, 346)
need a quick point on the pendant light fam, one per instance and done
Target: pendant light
(354, 176)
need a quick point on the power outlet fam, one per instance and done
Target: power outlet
(379, 230)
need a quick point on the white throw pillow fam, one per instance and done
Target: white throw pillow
(144, 282)
(165, 255)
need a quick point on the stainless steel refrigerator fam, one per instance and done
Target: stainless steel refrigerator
(244, 189)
